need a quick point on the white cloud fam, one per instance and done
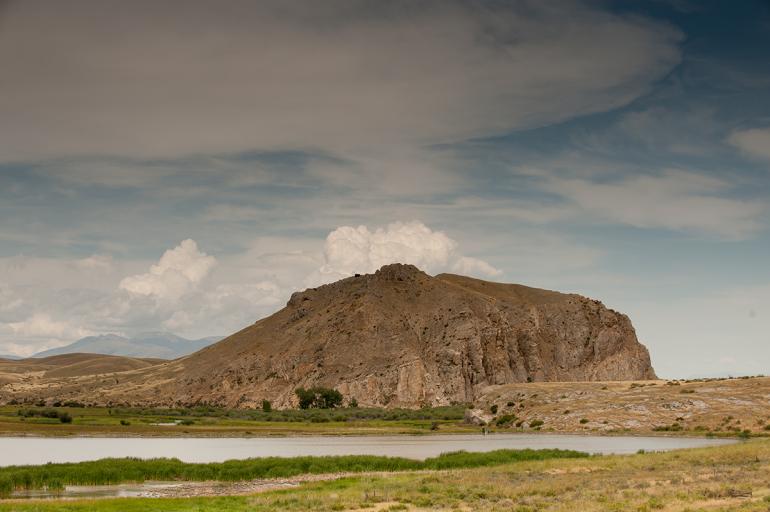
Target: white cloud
(96, 262)
(473, 266)
(349, 250)
(41, 325)
(754, 142)
(333, 75)
(675, 199)
(39, 332)
(195, 294)
(177, 273)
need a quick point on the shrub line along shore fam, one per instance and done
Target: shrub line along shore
(116, 471)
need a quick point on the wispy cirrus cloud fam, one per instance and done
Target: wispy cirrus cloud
(673, 199)
(754, 142)
(338, 76)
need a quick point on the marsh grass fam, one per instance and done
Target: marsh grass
(115, 471)
(720, 478)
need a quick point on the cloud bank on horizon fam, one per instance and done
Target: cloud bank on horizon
(180, 292)
(185, 166)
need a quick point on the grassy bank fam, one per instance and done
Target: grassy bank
(209, 421)
(715, 479)
(115, 471)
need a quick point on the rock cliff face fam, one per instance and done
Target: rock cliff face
(400, 337)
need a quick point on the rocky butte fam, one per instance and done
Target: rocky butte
(398, 337)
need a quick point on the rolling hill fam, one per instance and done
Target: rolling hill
(161, 345)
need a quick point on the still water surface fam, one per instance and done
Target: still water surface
(35, 450)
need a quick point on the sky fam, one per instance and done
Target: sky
(185, 166)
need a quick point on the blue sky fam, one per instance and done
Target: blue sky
(187, 171)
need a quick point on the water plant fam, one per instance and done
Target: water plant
(115, 471)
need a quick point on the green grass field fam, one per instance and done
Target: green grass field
(208, 421)
(733, 478)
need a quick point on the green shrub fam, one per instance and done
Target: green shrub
(674, 427)
(267, 406)
(493, 408)
(535, 423)
(583, 421)
(318, 398)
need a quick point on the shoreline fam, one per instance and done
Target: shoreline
(281, 435)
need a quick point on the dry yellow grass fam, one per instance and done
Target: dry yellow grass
(732, 477)
(724, 405)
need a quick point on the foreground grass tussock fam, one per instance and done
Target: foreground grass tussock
(114, 471)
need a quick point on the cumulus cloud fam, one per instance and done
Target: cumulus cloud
(195, 294)
(334, 75)
(41, 331)
(467, 265)
(349, 250)
(43, 326)
(178, 272)
(754, 142)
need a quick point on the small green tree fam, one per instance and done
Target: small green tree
(306, 397)
(266, 406)
(353, 403)
(318, 398)
(328, 398)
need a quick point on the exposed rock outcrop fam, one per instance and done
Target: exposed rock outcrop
(400, 337)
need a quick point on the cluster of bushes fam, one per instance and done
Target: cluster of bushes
(318, 398)
(674, 427)
(69, 403)
(42, 403)
(115, 471)
(339, 414)
(62, 416)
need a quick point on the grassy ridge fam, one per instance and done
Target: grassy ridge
(114, 471)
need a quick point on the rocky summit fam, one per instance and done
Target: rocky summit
(398, 337)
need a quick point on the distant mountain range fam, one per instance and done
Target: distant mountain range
(12, 358)
(161, 345)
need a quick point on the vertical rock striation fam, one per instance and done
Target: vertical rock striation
(400, 337)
